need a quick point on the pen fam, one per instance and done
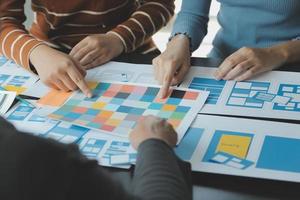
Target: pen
(20, 99)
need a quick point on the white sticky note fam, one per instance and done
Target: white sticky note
(119, 159)
(219, 158)
(281, 100)
(235, 165)
(236, 160)
(236, 101)
(243, 85)
(253, 93)
(287, 89)
(93, 141)
(68, 139)
(55, 136)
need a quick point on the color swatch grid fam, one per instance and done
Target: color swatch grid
(208, 84)
(116, 107)
(292, 91)
(243, 92)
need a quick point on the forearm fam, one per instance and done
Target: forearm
(288, 51)
(15, 42)
(192, 20)
(149, 18)
(159, 174)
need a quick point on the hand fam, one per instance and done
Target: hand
(173, 64)
(152, 127)
(95, 50)
(248, 62)
(58, 70)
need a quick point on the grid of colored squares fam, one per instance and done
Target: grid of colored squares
(243, 92)
(292, 91)
(215, 88)
(117, 107)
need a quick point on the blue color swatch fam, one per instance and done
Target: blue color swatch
(188, 144)
(289, 91)
(207, 84)
(243, 92)
(280, 153)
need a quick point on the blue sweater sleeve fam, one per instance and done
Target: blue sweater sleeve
(192, 20)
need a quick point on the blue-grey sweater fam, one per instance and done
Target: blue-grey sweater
(251, 23)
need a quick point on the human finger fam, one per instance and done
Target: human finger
(228, 64)
(238, 70)
(78, 79)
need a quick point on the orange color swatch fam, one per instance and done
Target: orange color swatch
(55, 98)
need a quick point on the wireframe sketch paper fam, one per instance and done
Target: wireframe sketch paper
(244, 147)
(6, 100)
(271, 95)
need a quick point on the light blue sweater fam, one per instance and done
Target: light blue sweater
(251, 23)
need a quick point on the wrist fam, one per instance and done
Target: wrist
(152, 142)
(281, 53)
(117, 41)
(35, 53)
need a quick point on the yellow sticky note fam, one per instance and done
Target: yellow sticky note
(235, 145)
(17, 89)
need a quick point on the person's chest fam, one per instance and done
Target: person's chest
(67, 6)
(278, 7)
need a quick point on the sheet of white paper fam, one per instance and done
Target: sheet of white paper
(101, 146)
(28, 119)
(6, 100)
(192, 106)
(274, 147)
(122, 72)
(235, 98)
(38, 89)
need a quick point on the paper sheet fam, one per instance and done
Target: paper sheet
(268, 150)
(29, 119)
(101, 147)
(6, 100)
(116, 107)
(15, 78)
(122, 72)
(237, 98)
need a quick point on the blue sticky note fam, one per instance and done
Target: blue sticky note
(279, 153)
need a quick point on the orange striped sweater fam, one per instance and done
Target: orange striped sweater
(62, 24)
